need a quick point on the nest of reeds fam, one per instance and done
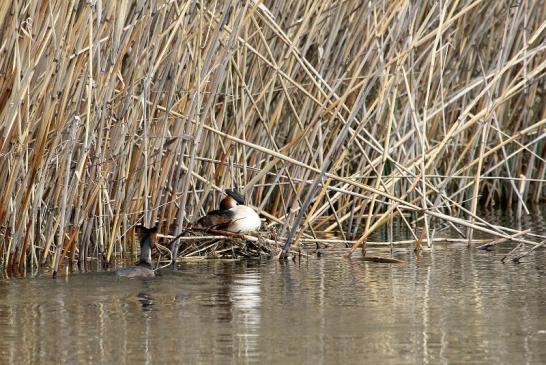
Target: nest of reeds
(196, 243)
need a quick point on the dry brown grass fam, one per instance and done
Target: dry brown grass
(113, 112)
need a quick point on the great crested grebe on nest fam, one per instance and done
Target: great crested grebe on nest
(233, 215)
(230, 226)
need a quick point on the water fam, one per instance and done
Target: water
(449, 305)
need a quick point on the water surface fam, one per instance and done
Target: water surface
(448, 305)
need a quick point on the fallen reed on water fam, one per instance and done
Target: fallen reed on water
(333, 117)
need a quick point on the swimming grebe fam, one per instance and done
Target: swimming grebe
(233, 215)
(143, 269)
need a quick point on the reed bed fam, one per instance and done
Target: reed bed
(333, 117)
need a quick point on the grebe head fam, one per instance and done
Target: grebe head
(148, 240)
(232, 199)
(238, 197)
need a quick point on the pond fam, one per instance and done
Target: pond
(450, 304)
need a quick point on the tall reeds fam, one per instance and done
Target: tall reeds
(113, 112)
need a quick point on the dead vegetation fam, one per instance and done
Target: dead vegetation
(334, 116)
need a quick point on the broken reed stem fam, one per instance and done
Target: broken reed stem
(502, 240)
(518, 257)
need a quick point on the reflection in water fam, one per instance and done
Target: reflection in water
(246, 298)
(146, 300)
(456, 305)
(452, 305)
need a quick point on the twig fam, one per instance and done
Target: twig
(516, 258)
(502, 240)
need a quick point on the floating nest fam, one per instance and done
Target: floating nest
(199, 244)
(215, 244)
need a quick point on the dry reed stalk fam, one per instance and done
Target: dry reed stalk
(519, 256)
(501, 240)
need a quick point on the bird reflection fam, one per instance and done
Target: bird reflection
(146, 300)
